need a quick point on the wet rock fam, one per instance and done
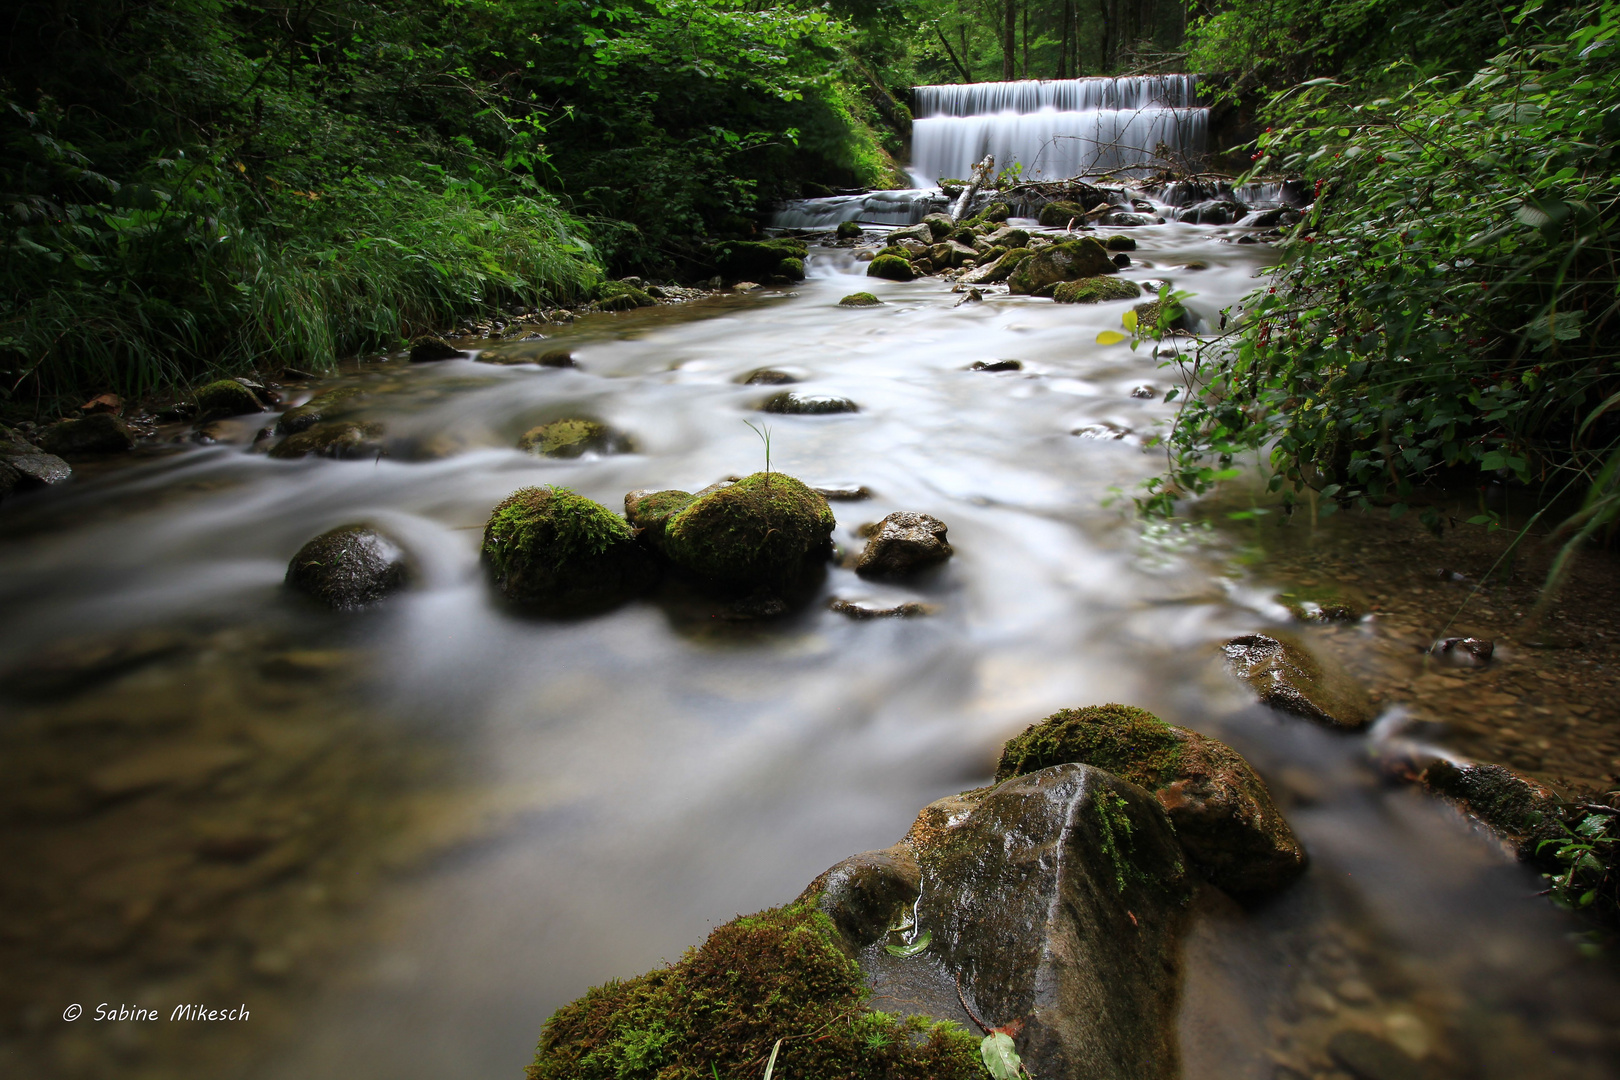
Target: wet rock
(1120, 243)
(891, 268)
(573, 437)
(1367, 1057)
(1056, 900)
(1105, 431)
(795, 404)
(861, 612)
(343, 439)
(999, 270)
(1519, 810)
(1122, 260)
(848, 230)
(860, 299)
(760, 260)
(847, 493)
(1061, 262)
(919, 234)
(1222, 811)
(1280, 216)
(1095, 290)
(950, 255)
(1465, 652)
(1212, 212)
(996, 365)
(321, 407)
(527, 353)
(560, 553)
(903, 543)
(1290, 678)
(1127, 219)
(1009, 237)
(649, 511)
(766, 530)
(98, 433)
(348, 567)
(1323, 605)
(769, 377)
(996, 211)
(1058, 215)
(10, 479)
(939, 225)
(36, 470)
(622, 296)
(1147, 317)
(1144, 391)
(225, 397)
(429, 349)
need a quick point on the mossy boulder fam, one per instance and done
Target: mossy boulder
(349, 567)
(225, 397)
(1521, 811)
(996, 211)
(649, 511)
(561, 553)
(1094, 290)
(571, 438)
(621, 296)
(1223, 813)
(1001, 269)
(1064, 261)
(1147, 317)
(939, 227)
(1289, 677)
(860, 299)
(98, 433)
(321, 407)
(790, 268)
(777, 975)
(848, 230)
(1057, 215)
(765, 531)
(757, 260)
(332, 439)
(950, 254)
(919, 233)
(1120, 243)
(891, 267)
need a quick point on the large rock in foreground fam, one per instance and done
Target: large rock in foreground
(1288, 677)
(349, 567)
(1232, 831)
(560, 553)
(1066, 261)
(765, 531)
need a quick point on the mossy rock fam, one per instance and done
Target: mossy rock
(769, 377)
(756, 260)
(318, 408)
(1119, 243)
(848, 230)
(650, 511)
(893, 249)
(939, 226)
(225, 397)
(777, 975)
(621, 296)
(1065, 261)
(860, 299)
(333, 439)
(766, 530)
(996, 211)
(1057, 215)
(428, 349)
(98, 433)
(1126, 741)
(1147, 317)
(1009, 237)
(891, 267)
(791, 268)
(349, 567)
(571, 438)
(1095, 290)
(560, 553)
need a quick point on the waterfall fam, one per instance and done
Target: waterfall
(1055, 129)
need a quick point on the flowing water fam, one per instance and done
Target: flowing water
(402, 837)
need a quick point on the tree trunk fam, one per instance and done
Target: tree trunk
(967, 76)
(1009, 39)
(1026, 40)
(1063, 49)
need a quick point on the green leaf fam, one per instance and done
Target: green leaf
(1000, 1057)
(914, 948)
(770, 1066)
(1129, 321)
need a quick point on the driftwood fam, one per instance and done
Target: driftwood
(981, 176)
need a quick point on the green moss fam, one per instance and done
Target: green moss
(1120, 243)
(1114, 830)
(860, 299)
(1121, 739)
(569, 438)
(996, 211)
(849, 230)
(756, 260)
(617, 296)
(717, 1013)
(791, 268)
(650, 511)
(764, 530)
(1057, 215)
(1094, 290)
(333, 439)
(225, 397)
(558, 550)
(321, 407)
(892, 267)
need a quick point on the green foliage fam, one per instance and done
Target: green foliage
(1114, 832)
(1121, 739)
(1586, 856)
(768, 987)
(1448, 306)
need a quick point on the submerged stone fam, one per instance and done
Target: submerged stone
(562, 553)
(996, 365)
(766, 530)
(769, 377)
(225, 397)
(332, 439)
(572, 438)
(796, 404)
(349, 567)
(891, 267)
(318, 408)
(429, 349)
(903, 543)
(1095, 290)
(860, 299)
(1288, 677)
(98, 433)
(527, 353)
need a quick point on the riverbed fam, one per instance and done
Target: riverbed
(402, 837)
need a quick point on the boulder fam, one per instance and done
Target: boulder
(225, 397)
(766, 530)
(758, 260)
(349, 567)
(939, 227)
(560, 553)
(1233, 833)
(903, 543)
(769, 377)
(1126, 218)
(999, 270)
(996, 211)
(571, 438)
(1120, 243)
(950, 254)
(332, 439)
(318, 408)
(1009, 237)
(649, 511)
(98, 433)
(1064, 261)
(860, 299)
(1095, 290)
(796, 404)
(620, 296)
(1053, 903)
(1519, 810)
(1289, 678)
(429, 349)
(848, 230)
(921, 234)
(892, 267)
(35, 469)
(1057, 215)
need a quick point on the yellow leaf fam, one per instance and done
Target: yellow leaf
(1110, 337)
(1129, 319)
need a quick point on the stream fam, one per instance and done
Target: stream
(402, 837)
